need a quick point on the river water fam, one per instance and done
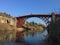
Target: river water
(35, 39)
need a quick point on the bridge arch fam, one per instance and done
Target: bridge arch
(21, 20)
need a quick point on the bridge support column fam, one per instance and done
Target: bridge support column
(53, 18)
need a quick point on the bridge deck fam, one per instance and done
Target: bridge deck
(38, 15)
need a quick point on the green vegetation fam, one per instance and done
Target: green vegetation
(5, 14)
(32, 27)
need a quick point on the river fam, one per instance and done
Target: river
(35, 39)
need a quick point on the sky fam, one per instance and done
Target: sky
(36, 20)
(24, 7)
